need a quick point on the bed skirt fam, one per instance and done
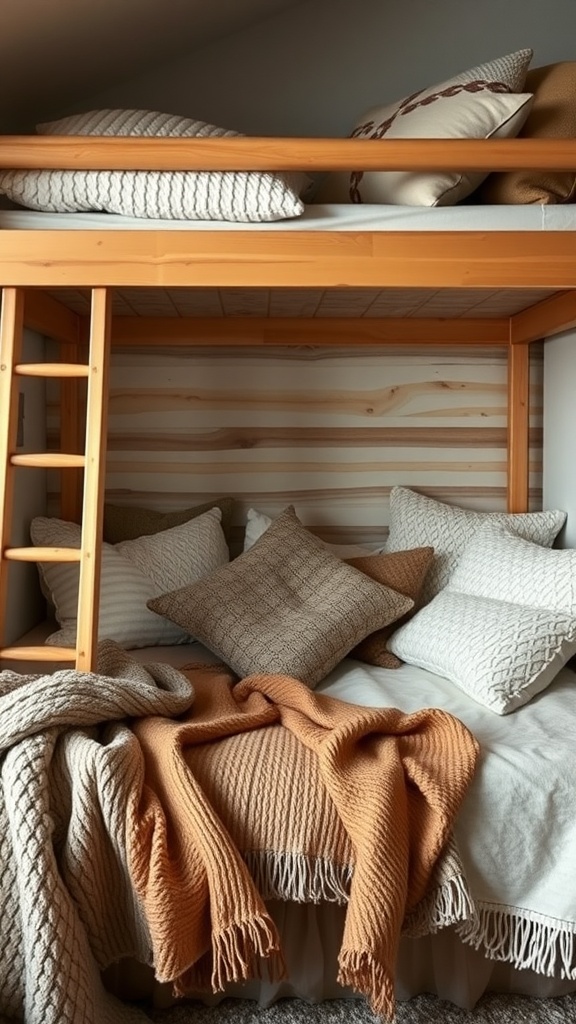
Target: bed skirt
(311, 934)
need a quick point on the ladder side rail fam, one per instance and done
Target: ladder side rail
(72, 437)
(11, 342)
(94, 478)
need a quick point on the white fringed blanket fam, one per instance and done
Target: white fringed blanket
(69, 765)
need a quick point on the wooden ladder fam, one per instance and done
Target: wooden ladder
(93, 462)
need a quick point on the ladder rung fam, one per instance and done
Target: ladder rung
(52, 370)
(48, 460)
(47, 653)
(43, 554)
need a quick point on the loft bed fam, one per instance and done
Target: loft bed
(43, 270)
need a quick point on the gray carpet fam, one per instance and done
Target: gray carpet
(491, 1009)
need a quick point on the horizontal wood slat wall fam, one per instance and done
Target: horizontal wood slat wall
(329, 430)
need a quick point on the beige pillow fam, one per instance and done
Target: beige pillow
(405, 572)
(553, 116)
(287, 605)
(131, 573)
(124, 522)
(483, 102)
(173, 195)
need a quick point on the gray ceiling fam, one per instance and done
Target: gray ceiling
(47, 44)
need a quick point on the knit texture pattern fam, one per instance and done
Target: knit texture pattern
(69, 769)
(393, 782)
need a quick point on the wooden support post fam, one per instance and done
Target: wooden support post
(518, 427)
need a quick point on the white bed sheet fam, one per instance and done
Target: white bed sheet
(516, 830)
(516, 833)
(327, 217)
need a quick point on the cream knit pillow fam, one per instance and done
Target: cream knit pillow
(172, 195)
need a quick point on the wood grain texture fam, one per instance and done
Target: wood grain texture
(329, 431)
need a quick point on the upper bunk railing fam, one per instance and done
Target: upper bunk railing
(245, 153)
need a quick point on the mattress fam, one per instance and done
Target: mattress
(346, 217)
(516, 834)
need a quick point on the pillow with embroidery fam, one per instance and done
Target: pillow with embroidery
(484, 102)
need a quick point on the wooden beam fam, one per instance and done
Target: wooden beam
(240, 331)
(50, 317)
(518, 427)
(283, 154)
(288, 258)
(546, 318)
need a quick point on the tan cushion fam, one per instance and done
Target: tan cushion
(287, 605)
(403, 571)
(553, 116)
(487, 101)
(122, 522)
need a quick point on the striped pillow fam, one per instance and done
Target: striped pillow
(132, 573)
(169, 195)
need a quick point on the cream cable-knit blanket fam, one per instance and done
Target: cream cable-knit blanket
(379, 792)
(69, 767)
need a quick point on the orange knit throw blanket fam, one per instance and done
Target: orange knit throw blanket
(394, 781)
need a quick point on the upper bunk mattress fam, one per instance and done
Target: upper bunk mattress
(348, 217)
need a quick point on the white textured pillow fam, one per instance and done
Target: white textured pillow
(258, 522)
(174, 195)
(483, 102)
(132, 573)
(505, 624)
(418, 521)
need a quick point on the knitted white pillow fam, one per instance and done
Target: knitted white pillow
(504, 625)
(419, 521)
(172, 195)
(482, 102)
(132, 572)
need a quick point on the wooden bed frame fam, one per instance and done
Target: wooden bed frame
(33, 263)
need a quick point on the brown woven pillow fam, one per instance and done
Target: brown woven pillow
(403, 571)
(553, 116)
(287, 605)
(124, 523)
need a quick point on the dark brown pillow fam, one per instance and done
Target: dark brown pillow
(404, 572)
(124, 523)
(553, 116)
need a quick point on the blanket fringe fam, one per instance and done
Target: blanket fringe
(239, 949)
(364, 974)
(522, 938)
(448, 904)
(299, 878)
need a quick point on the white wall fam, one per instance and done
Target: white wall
(314, 70)
(559, 480)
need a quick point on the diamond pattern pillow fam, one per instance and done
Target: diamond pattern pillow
(505, 624)
(403, 571)
(482, 102)
(287, 605)
(132, 572)
(417, 520)
(171, 195)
